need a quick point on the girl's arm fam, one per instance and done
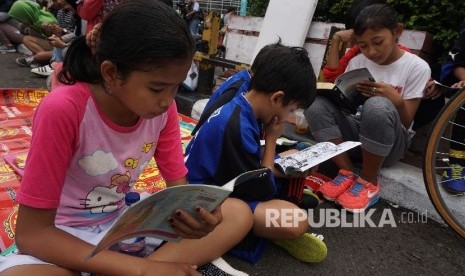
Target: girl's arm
(407, 110)
(36, 235)
(338, 38)
(89, 9)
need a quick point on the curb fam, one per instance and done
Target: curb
(402, 184)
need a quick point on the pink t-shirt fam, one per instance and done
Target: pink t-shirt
(83, 164)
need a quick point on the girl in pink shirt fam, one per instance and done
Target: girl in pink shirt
(93, 137)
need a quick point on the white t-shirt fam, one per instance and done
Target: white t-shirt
(408, 75)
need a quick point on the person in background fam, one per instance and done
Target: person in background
(121, 90)
(384, 124)
(94, 11)
(193, 17)
(453, 74)
(68, 27)
(9, 29)
(35, 20)
(433, 99)
(229, 11)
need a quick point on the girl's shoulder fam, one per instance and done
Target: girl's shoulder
(412, 60)
(64, 97)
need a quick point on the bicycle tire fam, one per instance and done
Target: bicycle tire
(430, 160)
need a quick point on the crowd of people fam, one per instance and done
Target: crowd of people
(114, 88)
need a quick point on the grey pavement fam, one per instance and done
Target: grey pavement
(414, 242)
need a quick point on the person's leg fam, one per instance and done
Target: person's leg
(453, 177)
(286, 225)
(268, 219)
(384, 141)
(36, 44)
(194, 27)
(237, 222)
(3, 38)
(39, 270)
(327, 123)
(11, 30)
(43, 57)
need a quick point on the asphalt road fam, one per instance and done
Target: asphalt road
(408, 243)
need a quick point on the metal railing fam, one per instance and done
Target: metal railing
(218, 6)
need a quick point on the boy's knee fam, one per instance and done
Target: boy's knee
(300, 229)
(237, 211)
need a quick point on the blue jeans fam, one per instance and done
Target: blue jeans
(194, 26)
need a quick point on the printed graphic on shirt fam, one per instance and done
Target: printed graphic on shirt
(108, 197)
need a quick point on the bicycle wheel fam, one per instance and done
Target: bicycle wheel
(436, 160)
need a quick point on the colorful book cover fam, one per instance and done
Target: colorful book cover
(17, 161)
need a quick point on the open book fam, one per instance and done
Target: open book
(343, 92)
(448, 89)
(149, 217)
(312, 156)
(17, 161)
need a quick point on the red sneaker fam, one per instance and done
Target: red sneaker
(362, 195)
(331, 190)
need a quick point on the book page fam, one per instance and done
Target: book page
(445, 86)
(149, 217)
(312, 156)
(348, 81)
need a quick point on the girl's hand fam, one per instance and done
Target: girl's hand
(274, 129)
(370, 89)
(56, 41)
(189, 227)
(53, 29)
(433, 91)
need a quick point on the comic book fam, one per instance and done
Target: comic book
(310, 157)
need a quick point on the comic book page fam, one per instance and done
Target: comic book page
(312, 156)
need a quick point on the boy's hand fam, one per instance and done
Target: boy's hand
(189, 227)
(274, 129)
(459, 84)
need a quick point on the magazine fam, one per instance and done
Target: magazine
(310, 157)
(447, 88)
(17, 161)
(343, 92)
(149, 217)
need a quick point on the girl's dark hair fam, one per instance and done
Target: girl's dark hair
(375, 17)
(355, 10)
(283, 68)
(138, 35)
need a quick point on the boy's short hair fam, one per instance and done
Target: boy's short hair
(284, 68)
